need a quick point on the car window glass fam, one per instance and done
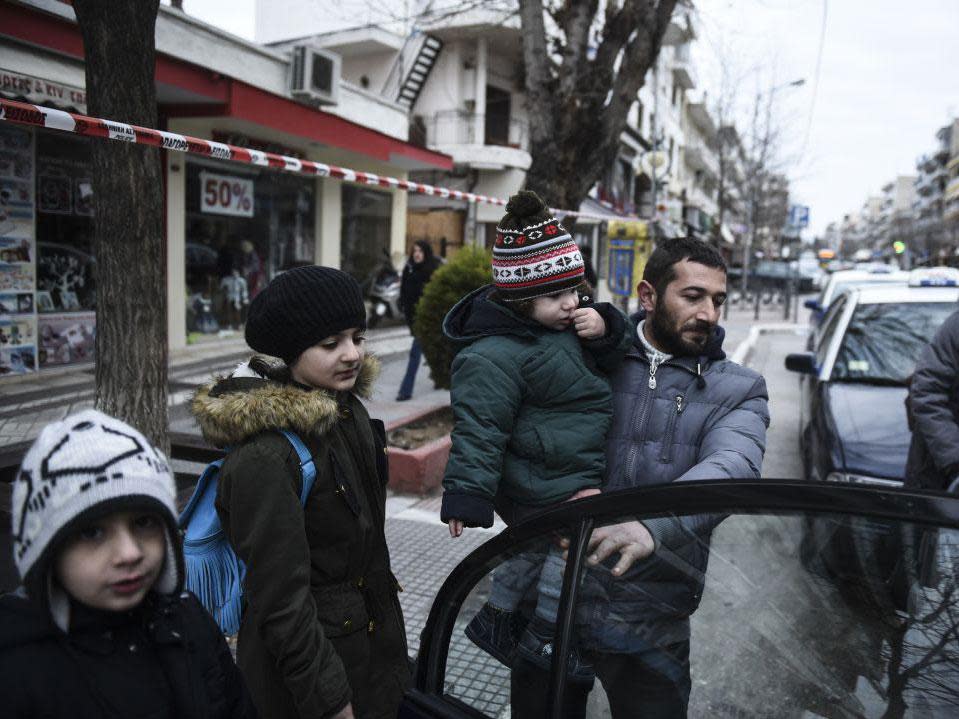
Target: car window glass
(883, 341)
(829, 328)
(777, 615)
(495, 616)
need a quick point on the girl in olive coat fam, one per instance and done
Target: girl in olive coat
(532, 406)
(322, 630)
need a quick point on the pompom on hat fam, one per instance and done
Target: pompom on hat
(83, 467)
(301, 307)
(533, 255)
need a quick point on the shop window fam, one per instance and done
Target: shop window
(243, 228)
(66, 266)
(367, 228)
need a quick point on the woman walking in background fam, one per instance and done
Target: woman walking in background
(420, 266)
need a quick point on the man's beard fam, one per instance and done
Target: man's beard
(662, 329)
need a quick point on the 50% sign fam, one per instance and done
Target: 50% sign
(226, 195)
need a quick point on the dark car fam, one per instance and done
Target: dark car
(767, 638)
(853, 426)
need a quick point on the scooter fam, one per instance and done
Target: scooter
(384, 293)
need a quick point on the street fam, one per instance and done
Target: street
(767, 634)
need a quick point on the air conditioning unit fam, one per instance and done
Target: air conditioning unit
(315, 76)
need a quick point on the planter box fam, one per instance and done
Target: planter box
(419, 470)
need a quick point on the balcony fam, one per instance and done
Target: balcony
(504, 142)
(683, 68)
(952, 190)
(700, 157)
(700, 116)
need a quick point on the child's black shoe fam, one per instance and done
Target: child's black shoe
(493, 631)
(536, 646)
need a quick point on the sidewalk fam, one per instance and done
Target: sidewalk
(27, 404)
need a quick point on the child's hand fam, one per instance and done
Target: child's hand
(584, 493)
(589, 323)
(456, 527)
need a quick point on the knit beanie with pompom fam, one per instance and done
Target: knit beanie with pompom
(534, 255)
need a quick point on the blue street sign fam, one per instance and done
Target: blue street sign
(799, 215)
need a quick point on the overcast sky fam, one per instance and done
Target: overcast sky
(889, 78)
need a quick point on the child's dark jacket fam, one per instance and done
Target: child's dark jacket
(167, 658)
(322, 624)
(532, 407)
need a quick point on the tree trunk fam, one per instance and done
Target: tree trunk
(131, 340)
(578, 106)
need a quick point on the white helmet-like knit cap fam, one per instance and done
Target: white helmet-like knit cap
(81, 462)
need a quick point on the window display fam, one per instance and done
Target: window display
(17, 251)
(243, 227)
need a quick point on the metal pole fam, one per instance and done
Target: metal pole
(756, 310)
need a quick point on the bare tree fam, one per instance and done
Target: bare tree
(582, 75)
(131, 343)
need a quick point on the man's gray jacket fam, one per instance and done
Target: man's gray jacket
(705, 418)
(934, 411)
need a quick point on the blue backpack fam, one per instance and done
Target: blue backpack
(213, 571)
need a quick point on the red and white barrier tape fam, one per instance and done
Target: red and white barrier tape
(23, 113)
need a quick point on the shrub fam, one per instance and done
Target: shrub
(468, 270)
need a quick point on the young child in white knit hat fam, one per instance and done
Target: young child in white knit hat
(100, 626)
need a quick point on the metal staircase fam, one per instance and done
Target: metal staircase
(424, 49)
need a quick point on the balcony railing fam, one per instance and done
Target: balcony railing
(455, 127)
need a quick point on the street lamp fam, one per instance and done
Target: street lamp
(757, 175)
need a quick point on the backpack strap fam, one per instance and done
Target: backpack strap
(307, 465)
(209, 474)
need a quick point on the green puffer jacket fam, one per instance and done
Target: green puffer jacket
(322, 625)
(531, 406)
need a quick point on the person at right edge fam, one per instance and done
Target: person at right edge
(933, 406)
(681, 412)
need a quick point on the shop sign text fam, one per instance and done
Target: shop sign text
(226, 195)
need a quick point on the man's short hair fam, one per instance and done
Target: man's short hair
(661, 266)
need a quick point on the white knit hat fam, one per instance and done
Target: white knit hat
(86, 464)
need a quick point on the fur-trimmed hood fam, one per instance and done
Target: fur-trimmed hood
(259, 396)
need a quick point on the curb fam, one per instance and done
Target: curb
(741, 355)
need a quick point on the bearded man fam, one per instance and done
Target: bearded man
(681, 411)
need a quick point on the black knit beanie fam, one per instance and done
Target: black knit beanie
(302, 306)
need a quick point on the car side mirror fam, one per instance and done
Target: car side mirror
(802, 362)
(812, 305)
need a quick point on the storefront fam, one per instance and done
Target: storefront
(229, 227)
(47, 267)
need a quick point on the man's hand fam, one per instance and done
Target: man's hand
(344, 713)
(456, 527)
(589, 323)
(630, 539)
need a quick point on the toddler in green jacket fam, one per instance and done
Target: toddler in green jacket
(532, 405)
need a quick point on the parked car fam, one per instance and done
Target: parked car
(767, 638)
(853, 426)
(843, 280)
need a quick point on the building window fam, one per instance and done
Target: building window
(367, 230)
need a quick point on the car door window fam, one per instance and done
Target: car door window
(761, 615)
(495, 616)
(735, 613)
(830, 324)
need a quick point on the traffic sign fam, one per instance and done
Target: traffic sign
(799, 216)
